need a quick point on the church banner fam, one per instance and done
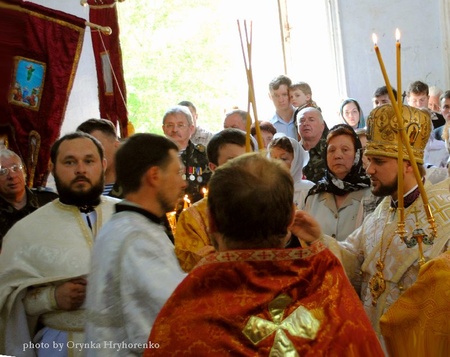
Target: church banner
(40, 50)
(108, 60)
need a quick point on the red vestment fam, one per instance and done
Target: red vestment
(261, 302)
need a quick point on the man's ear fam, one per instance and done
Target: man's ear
(104, 164)
(153, 176)
(408, 166)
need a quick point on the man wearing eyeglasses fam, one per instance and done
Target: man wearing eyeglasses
(179, 127)
(16, 200)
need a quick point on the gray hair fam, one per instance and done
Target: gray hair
(302, 112)
(242, 114)
(179, 109)
(7, 154)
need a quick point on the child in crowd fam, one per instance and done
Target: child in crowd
(300, 95)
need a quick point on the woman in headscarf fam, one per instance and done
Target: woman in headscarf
(295, 157)
(352, 114)
(337, 199)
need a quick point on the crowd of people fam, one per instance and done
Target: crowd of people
(200, 243)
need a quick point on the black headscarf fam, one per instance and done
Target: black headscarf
(355, 180)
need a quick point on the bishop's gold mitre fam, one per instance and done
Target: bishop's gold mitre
(382, 130)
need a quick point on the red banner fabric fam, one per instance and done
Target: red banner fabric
(108, 60)
(40, 52)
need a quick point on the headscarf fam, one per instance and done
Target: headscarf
(362, 121)
(300, 159)
(355, 180)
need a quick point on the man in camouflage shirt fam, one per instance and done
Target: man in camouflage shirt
(313, 131)
(179, 126)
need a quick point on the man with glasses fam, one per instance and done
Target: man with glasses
(16, 200)
(179, 127)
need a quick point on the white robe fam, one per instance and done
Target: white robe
(134, 271)
(361, 250)
(49, 246)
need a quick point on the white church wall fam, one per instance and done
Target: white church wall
(83, 101)
(423, 40)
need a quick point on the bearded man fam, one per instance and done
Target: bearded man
(381, 265)
(46, 256)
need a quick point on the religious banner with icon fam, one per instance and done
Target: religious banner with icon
(108, 61)
(40, 50)
(26, 88)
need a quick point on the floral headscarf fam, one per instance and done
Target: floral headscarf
(355, 180)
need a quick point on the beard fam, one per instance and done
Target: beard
(91, 197)
(385, 189)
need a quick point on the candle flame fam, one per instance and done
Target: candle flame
(397, 34)
(374, 39)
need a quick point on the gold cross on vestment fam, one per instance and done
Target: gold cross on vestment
(300, 323)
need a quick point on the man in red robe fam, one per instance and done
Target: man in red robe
(252, 296)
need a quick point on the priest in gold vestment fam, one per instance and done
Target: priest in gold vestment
(192, 241)
(253, 297)
(379, 264)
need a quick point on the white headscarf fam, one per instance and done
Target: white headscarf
(301, 158)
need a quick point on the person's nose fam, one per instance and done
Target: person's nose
(80, 168)
(337, 154)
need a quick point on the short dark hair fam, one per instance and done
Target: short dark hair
(137, 154)
(418, 87)
(103, 125)
(257, 211)
(383, 91)
(223, 137)
(72, 136)
(278, 81)
(263, 126)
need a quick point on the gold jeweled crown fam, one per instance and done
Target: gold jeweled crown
(382, 129)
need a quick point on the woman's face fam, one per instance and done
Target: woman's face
(351, 114)
(283, 155)
(267, 137)
(340, 155)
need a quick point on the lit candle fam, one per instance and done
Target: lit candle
(205, 192)
(402, 131)
(399, 69)
(187, 202)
